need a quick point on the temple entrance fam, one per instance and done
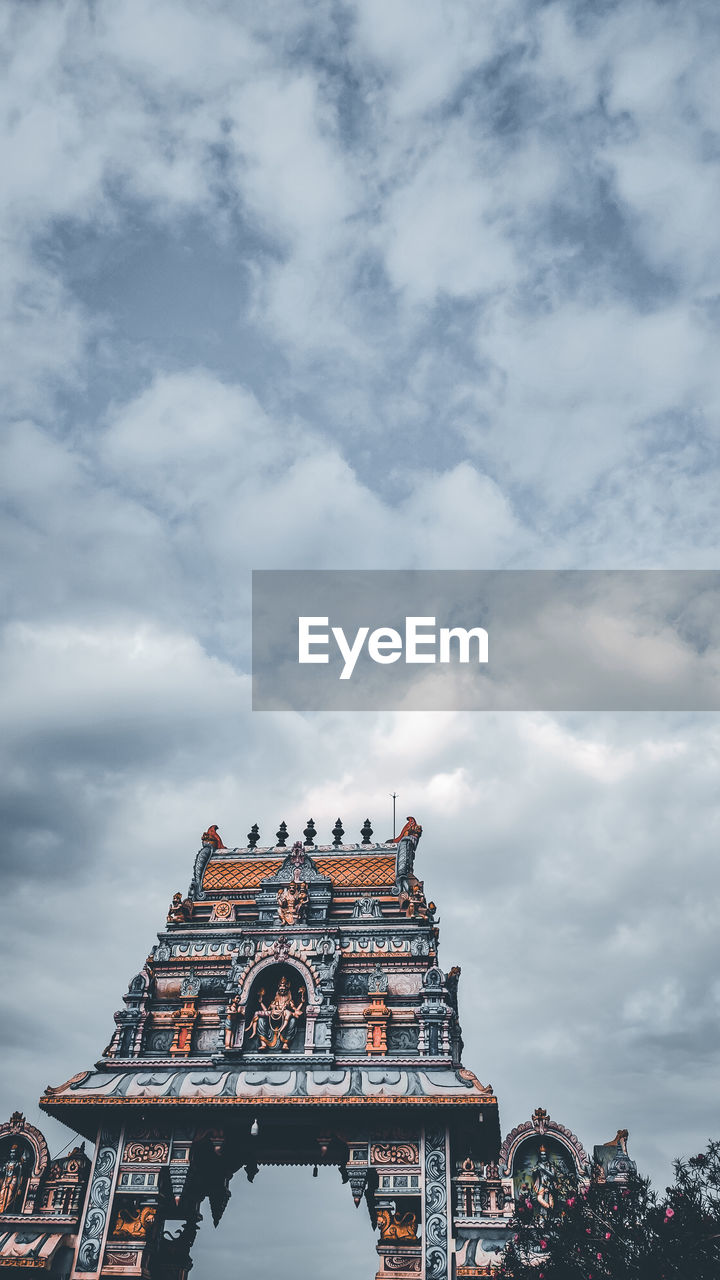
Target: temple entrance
(291, 1017)
(290, 1223)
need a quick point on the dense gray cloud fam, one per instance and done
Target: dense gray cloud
(358, 286)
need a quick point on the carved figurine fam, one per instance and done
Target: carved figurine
(276, 1023)
(292, 899)
(414, 903)
(405, 859)
(620, 1140)
(543, 1176)
(132, 1223)
(11, 1177)
(411, 829)
(180, 909)
(233, 1012)
(297, 860)
(397, 1226)
(366, 906)
(212, 837)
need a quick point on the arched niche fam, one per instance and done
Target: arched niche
(522, 1145)
(535, 1152)
(302, 970)
(276, 1009)
(18, 1164)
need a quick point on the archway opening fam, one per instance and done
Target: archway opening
(288, 1222)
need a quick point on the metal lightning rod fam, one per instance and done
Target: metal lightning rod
(394, 798)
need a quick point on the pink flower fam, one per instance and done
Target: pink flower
(607, 1235)
(600, 1256)
(571, 1202)
(669, 1213)
(587, 1231)
(543, 1244)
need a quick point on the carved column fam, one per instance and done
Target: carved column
(95, 1221)
(436, 1205)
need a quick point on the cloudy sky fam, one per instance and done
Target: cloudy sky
(398, 284)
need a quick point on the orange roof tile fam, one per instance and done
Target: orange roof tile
(362, 871)
(245, 873)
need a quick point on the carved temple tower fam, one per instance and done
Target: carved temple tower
(294, 1012)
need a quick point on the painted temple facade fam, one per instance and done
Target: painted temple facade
(292, 1011)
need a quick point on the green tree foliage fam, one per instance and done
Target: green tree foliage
(623, 1231)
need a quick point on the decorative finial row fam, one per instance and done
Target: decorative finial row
(212, 835)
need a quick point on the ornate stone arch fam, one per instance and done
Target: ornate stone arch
(269, 959)
(18, 1127)
(541, 1125)
(15, 1128)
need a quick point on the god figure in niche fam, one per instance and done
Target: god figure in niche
(292, 900)
(11, 1176)
(275, 1024)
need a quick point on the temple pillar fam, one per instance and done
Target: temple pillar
(436, 1204)
(101, 1190)
(139, 1185)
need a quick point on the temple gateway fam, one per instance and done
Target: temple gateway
(293, 1011)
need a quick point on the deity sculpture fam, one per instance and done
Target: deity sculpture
(292, 899)
(544, 1178)
(133, 1223)
(233, 1012)
(180, 909)
(397, 1226)
(11, 1176)
(276, 1023)
(414, 903)
(297, 859)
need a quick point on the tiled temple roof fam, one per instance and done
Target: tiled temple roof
(360, 870)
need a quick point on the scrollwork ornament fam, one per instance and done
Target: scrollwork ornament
(140, 1152)
(99, 1200)
(394, 1153)
(436, 1216)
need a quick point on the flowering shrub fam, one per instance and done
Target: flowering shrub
(606, 1232)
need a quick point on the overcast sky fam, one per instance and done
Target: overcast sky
(399, 284)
